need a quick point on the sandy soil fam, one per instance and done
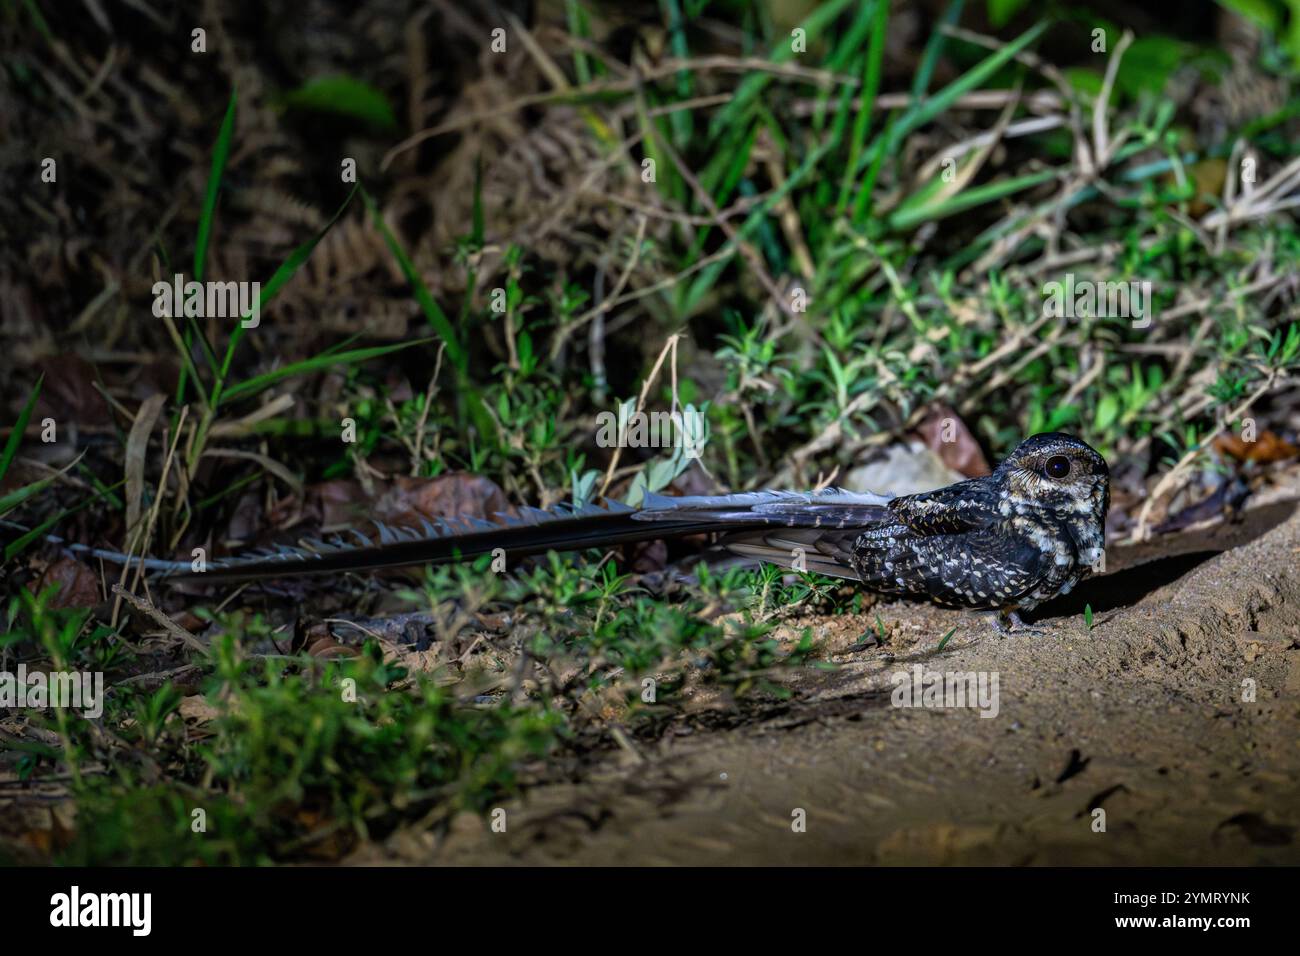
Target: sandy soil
(1142, 716)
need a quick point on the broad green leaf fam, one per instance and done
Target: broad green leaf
(344, 96)
(1107, 413)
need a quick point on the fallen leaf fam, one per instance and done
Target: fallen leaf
(327, 648)
(456, 495)
(328, 504)
(137, 446)
(947, 436)
(196, 708)
(68, 393)
(1267, 447)
(78, 585)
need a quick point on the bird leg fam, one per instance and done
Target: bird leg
(1008, 619)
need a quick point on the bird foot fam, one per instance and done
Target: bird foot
(1007, 621)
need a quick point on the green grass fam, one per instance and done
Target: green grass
(306, 757)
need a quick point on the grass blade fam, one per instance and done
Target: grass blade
(923, 112)
(283, 274)
(344, 96)
(16, 436)
(813, 25)
(220, 153)
(933, 49)
(12, 500)
(909, 214)
(314, 364)
(14, 548)
(870, 84)
(432, 311)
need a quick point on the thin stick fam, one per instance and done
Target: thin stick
(166, 623)
(670, 345)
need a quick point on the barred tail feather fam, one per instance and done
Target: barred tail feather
(565, 529)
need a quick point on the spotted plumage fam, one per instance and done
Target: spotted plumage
(1009, 540)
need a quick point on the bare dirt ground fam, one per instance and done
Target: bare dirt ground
(1142, 716)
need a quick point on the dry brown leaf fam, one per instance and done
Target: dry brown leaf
(1268, 447)
(455, 495)
(78, 584)
(330, 504)
(137, 445)
(945, 434)
(327, 648)
(68, 392)
(197, 709)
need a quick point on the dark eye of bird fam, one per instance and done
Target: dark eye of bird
(1058, 467)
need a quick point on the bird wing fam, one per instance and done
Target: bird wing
(957, 509)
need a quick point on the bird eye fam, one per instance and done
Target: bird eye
(1058, 467)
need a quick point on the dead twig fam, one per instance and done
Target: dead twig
(163, 621)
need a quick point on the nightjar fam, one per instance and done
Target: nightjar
(1010, 540)
(1007, 541)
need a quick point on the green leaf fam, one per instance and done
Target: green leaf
(1084, 80)
(283, 274)
(16, 436)
(908, 215)
(220, 153)
(12, 500)
(42, 27)
(1107, 413)
(820, 19)
(343, 96)
(1001, 11)
(923, 112)
(1266, 14)
(1061, 416)
(316, 363)
(934, 48)
(14, 548)
(578, 28)
(870, 85)
(1149, 63)
(432, 311)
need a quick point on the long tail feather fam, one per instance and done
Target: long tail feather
(564, 529)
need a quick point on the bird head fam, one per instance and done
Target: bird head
(1057, 472)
